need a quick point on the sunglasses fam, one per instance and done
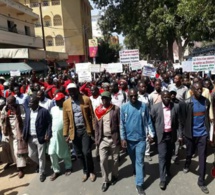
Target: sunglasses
(133, 96)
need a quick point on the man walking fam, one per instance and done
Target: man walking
(58, 148)
(78, 118)
(135, 125)
(107, 137)
(37, 131)
(195, 112)
(165, 116)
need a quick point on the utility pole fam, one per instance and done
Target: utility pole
(42, 25)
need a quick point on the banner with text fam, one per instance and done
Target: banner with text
(202, 63)
(80, 67)
(84, 72)
(112, 68)
(136, 65)
(129, 56)
(95, 68)
(149, 71)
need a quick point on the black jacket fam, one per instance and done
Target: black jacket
(158, 121)
(43, 125)
(186, 115)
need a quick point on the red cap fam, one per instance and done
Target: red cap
(59, 96)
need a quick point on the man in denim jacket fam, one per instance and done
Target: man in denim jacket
(135, 127)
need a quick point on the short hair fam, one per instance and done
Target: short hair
(34, 98)
(194, 85)
(132, 89)
(179, 76)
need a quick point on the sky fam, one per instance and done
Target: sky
(95, 12)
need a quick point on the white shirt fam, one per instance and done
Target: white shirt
(96, 101)
(118, 99)
(33, 117)
(47, 104)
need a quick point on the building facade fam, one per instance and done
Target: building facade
(67, 26)
(17, 26)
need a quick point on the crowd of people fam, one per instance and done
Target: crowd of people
(124, 111)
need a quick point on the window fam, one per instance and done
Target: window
(45, 3)
(49, 41)
(57, 20)
(37, 23)
(34, 4)
(10, 25)
(27, 30)
(59, 40)
(47, 21)
(55, 2)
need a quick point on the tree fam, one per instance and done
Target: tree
(107, 52)
(153, 25)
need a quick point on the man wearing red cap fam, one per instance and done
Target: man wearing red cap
(58, 148)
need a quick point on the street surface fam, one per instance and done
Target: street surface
(180, 184)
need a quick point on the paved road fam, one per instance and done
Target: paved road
(180, 184)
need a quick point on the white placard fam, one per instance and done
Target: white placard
(79, 67)
(149, 71)
(202, 63)
(143, 63)
(95, 68)
(84, 76)
(136, 66)
(112, 68)
(14, 73)
(187, 66)
(129, 56)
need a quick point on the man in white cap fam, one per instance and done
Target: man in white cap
(78, 119)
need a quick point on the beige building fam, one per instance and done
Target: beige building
(67, 26)
(17, 26)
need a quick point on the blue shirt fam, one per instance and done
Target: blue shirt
(199, 128)
(135, 122)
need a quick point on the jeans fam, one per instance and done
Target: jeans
(136, 151)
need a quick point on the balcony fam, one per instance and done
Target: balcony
(19, 40)
(20, 9)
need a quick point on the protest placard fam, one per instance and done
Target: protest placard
(14, 73)
(129, 56)
(187, 66)
(84, 76)
(202, 63)
(149, 71)
(136, 66)
(112, 67)
(95, 68)
(79, 67)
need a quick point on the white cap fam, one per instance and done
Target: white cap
(2, 78)
(6, 83)
(71, 85)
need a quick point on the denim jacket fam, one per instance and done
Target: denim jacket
(135, 122)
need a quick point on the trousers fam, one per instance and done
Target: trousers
(107, 148)
(136, 151)
(37, 153)
(201, 144)
(164, 155)
(82, 145)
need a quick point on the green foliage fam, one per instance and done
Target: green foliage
(107, 53)
(153, 25)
